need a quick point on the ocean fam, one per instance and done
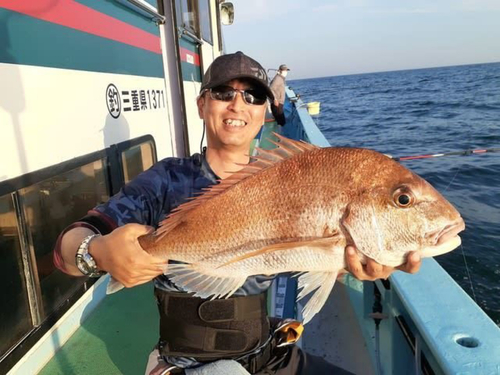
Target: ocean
(428, 111)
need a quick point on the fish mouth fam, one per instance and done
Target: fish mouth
(448, 232)
(444, 240)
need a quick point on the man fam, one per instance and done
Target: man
(278, 87)
(232, 103)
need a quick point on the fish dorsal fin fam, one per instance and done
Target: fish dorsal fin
(292, 146)
(286, 149)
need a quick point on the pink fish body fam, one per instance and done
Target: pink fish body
(294, 209)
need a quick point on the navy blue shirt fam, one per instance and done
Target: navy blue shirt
(154, 193)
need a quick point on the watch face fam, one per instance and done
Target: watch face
(82, 266)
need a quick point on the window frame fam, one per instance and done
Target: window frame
(179, 12)
(209, 8)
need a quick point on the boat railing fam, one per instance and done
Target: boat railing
(300, 125)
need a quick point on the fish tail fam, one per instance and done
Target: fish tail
(114, 286)
(151, 244)
(147, 242)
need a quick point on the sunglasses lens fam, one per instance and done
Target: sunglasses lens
(223, 93)
(254, 96)
(227, 94)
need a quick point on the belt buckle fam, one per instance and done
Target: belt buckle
(288, 332)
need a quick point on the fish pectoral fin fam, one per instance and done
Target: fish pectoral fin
(320, 282)
(204, 283)
(321, 243)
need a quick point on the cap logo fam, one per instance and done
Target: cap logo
(259, 73)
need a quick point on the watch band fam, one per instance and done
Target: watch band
(86, 262)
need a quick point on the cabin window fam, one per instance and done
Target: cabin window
(40, 206)
(49, 206)
(15, 317)
(34, 209)
(205, 20)
(187, 15)
(137, 159)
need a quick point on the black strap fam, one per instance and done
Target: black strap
(255, 362)
(233, 309)
(204, 329)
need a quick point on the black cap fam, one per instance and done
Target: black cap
(232, 66)
(283, 67)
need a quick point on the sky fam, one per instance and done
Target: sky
(318, 38)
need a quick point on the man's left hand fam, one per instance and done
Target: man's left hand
(373, 271)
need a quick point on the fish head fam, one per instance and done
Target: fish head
(401, 213)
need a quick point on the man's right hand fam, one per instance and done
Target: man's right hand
(118, 253)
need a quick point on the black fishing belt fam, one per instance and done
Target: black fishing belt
(207, 330)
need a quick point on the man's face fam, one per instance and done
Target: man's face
(233, 124)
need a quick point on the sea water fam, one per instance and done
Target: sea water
(427, 111)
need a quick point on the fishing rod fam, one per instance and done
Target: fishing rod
(454, 153)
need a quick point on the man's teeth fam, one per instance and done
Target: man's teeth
(232, 122)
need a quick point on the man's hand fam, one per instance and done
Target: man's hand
(276, 103)
(120, 254)
(373, 270)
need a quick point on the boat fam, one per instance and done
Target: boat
(93, 93)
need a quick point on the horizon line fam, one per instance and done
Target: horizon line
(396, 70)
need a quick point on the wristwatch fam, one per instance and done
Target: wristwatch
(86, 262)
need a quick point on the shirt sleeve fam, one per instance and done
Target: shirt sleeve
(142, 200)
(57, 254)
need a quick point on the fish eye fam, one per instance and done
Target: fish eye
(404, 200)
(403, 197)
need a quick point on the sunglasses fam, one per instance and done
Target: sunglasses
(227, 94)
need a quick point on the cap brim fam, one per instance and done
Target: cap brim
(268, 90)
